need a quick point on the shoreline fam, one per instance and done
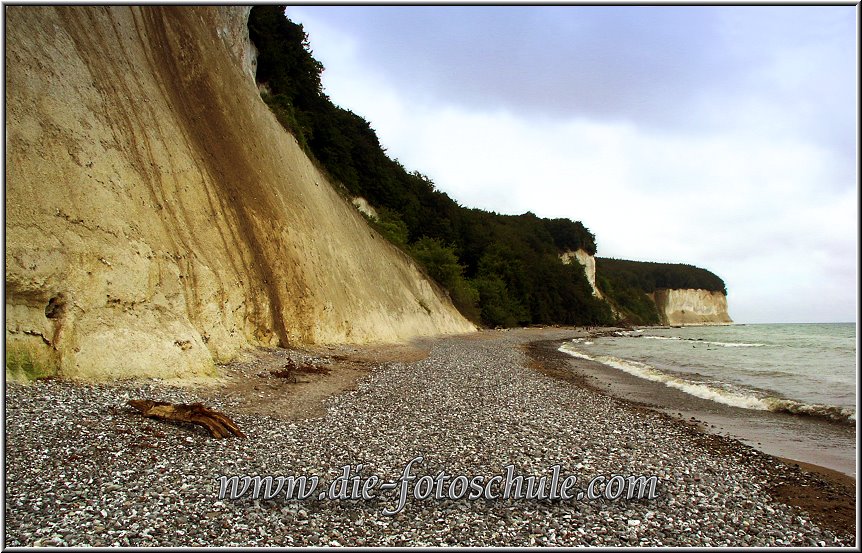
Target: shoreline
(818, 438)
(828, 495)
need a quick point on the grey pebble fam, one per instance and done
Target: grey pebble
(472, 407)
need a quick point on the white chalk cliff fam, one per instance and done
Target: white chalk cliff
(365, 208)
(691, 306)
(589, 263)
(158, 217)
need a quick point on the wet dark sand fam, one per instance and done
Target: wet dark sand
(824, 485)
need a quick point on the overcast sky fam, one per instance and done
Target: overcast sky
(724, 137)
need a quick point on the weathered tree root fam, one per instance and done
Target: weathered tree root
(219, 424)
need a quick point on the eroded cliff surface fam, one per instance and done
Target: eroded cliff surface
(158, 217)
(588, 262)
(691, 306)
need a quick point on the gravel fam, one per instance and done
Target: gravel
(82, 468)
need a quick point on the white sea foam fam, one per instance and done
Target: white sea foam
(730, 344)
(575, 353)
(721, 344)
(746, 399)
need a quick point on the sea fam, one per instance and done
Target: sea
(796, 383)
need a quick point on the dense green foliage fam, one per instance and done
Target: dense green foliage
(648, 275)
(635, 307)
(500, 270)
(441, 264)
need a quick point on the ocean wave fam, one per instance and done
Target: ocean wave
(720, 393)
(730, 344)
(830, 412)
(721, 344)
(575, 353)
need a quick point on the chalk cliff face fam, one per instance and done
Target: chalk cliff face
(158, 217)
(589, 263)
(364, 207)
(691, 307)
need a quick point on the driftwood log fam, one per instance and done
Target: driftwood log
(218, 424)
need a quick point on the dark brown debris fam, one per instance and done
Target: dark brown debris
(218, 424)
(291, 369)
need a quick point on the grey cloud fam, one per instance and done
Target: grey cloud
(652, 65)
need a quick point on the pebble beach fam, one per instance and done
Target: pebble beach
(83, 468)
